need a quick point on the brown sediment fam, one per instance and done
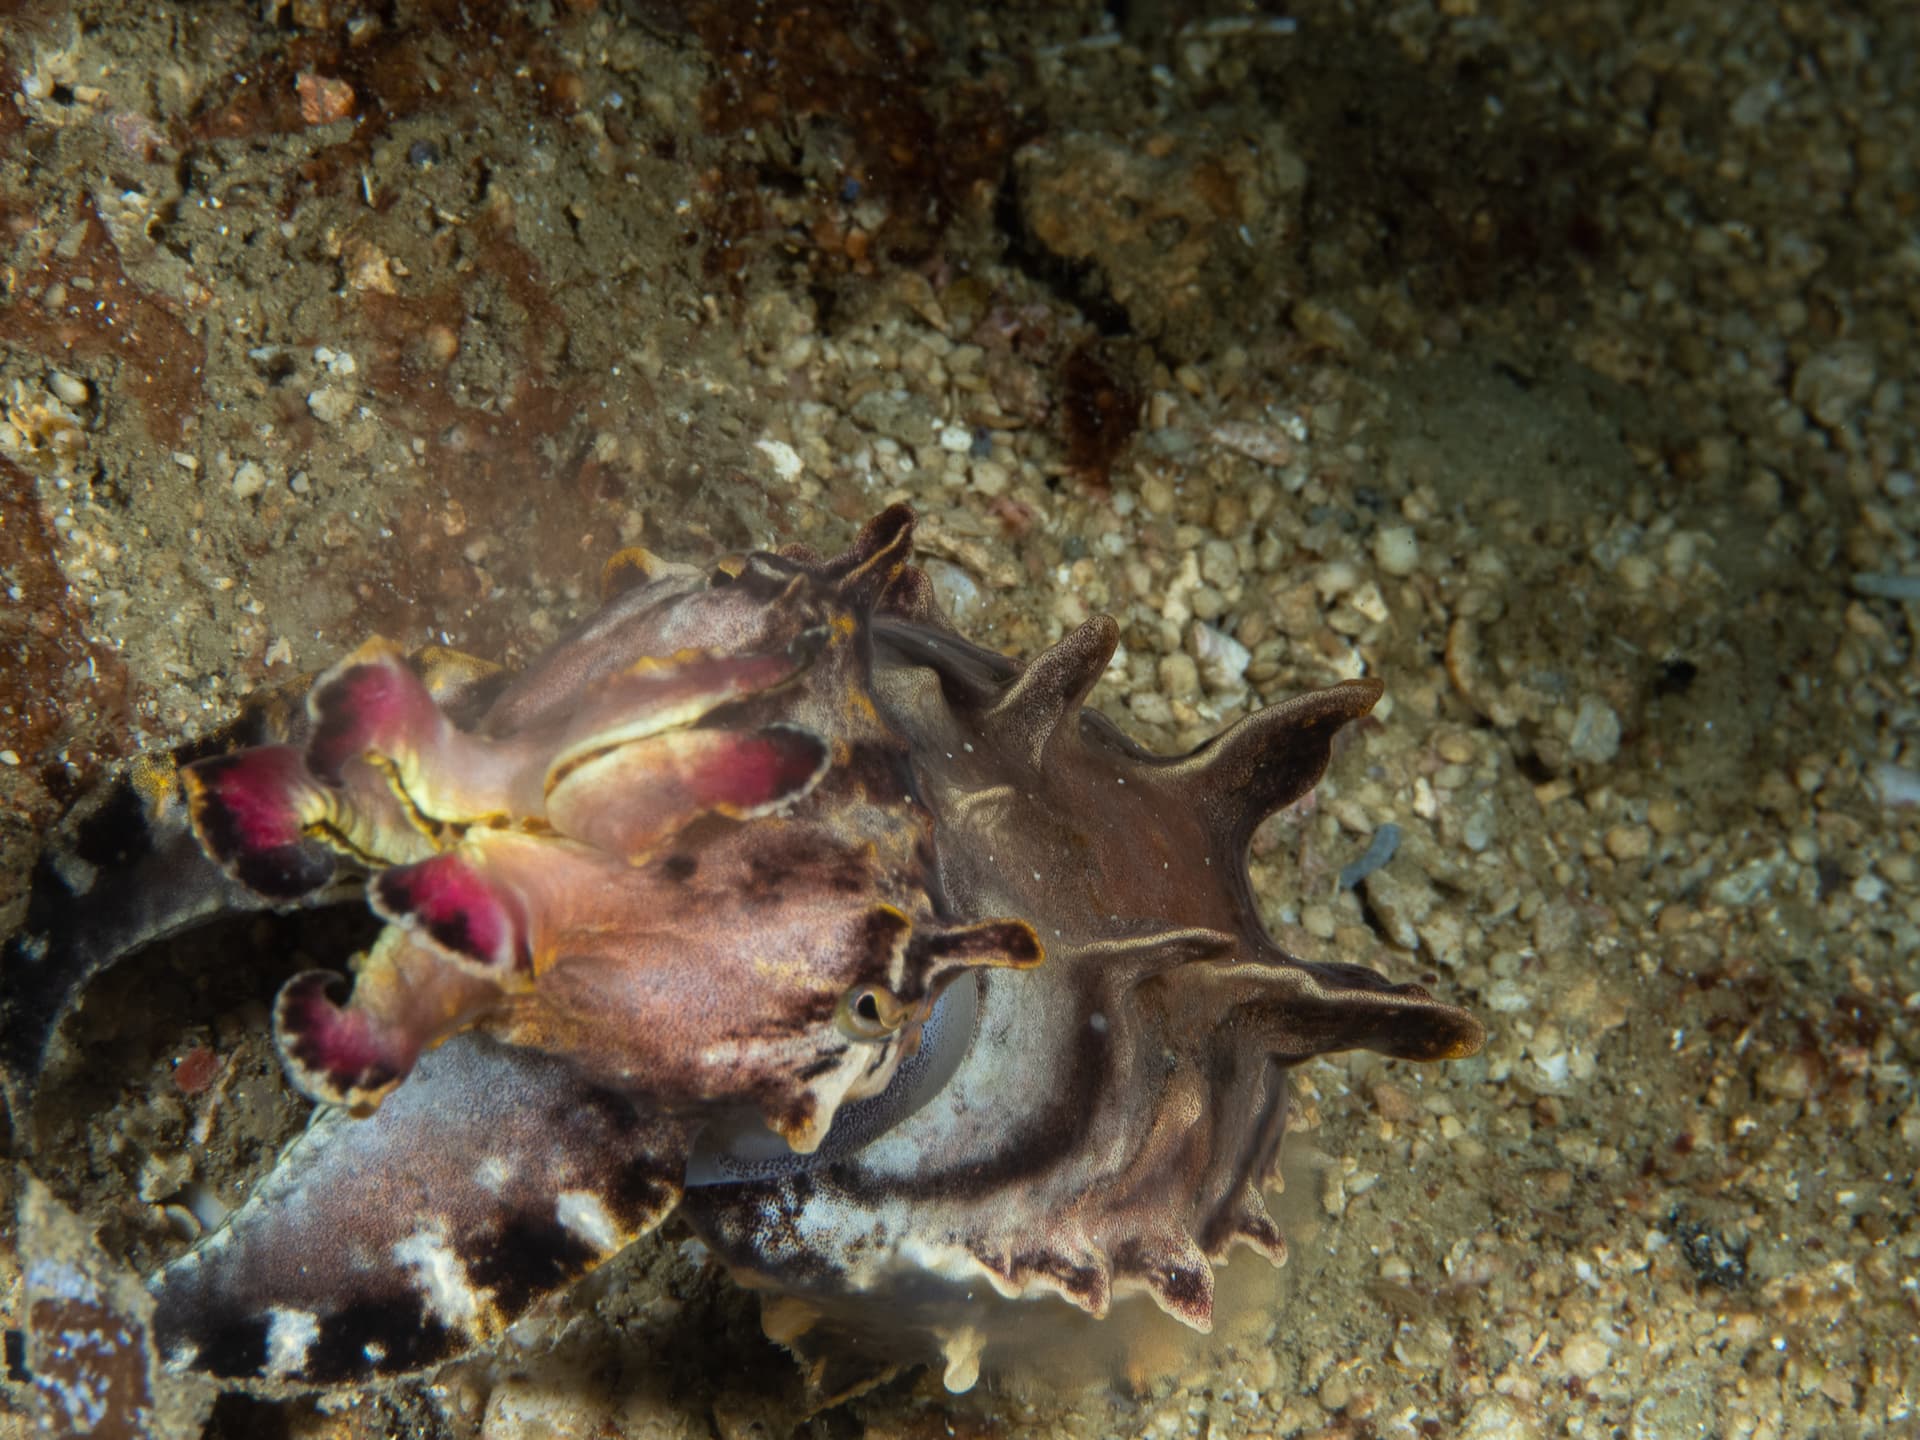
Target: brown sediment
(392, 73)
(11, 120)
(395, 72)
(105, 316)
(863, 71)
(63, 696)
(479, 461)
(1099, 411)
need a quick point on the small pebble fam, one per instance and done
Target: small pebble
(1833, 385)
(69, 390)
(1179, 676)
(1494, 1417)
(1585, 1356)
(1893, 784)
(1335, 579)
(1674, 918)
(1888, 587)
(1260, 443)
(1370, 604)
(1665, 816)
(1596, 732)
(1393, 1103)
(324, 99)
(1150, 707)
(1629, 842)
(956, 590)
(330, 404)
(249, 480)
(1786, 1077)
(990, 477)
(1221, 659)
(440, 344)
(1636, 572)
(783, 457)
(1396, 550)
(196, 1070)
(1745, 885)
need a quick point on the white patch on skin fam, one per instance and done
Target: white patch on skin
(441, 1278)
(581, 1214)
(492, 1174)
(290, 1334)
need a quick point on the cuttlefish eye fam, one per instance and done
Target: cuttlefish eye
(871, 1012)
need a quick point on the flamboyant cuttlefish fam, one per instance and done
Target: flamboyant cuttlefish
(765, 896)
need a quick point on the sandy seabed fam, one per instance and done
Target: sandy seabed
(1550, 362)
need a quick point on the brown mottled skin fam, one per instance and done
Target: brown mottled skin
(998, 963)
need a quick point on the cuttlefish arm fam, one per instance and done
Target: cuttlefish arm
(125, 869)
(122, 872)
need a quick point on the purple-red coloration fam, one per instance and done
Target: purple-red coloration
(460, 912)
(321, 1039)
(251, 805)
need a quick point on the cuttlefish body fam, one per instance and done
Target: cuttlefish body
(764, 896)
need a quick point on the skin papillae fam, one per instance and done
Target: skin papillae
(765, 896)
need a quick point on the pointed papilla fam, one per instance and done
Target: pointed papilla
(877, 556)
(1175, 1272)
(628, 569)
(1272, 758)
(1248, 1222)
(1011, 944)
(1304, 1009)
(909, 595)
(1054, 685)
